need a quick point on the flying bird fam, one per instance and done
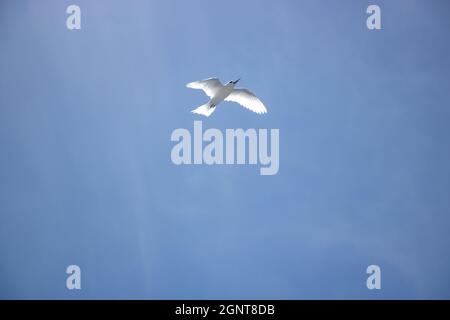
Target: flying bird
(217, 92)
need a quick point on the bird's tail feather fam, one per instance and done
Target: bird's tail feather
(205, 110)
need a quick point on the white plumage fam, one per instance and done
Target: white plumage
(217, 93)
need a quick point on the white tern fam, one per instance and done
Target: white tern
(217, 92)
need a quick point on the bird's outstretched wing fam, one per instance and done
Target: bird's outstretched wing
(246, 99)
(210, 86)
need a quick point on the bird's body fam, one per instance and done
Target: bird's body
(218, 93)
(222, 94)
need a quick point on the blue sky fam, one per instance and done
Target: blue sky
(86, 176)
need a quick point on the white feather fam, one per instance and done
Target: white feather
(210, 86)
(204, 110)
(246, 99)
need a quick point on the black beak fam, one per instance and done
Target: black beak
(236, 81)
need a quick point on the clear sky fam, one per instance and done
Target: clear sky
(86, 176)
